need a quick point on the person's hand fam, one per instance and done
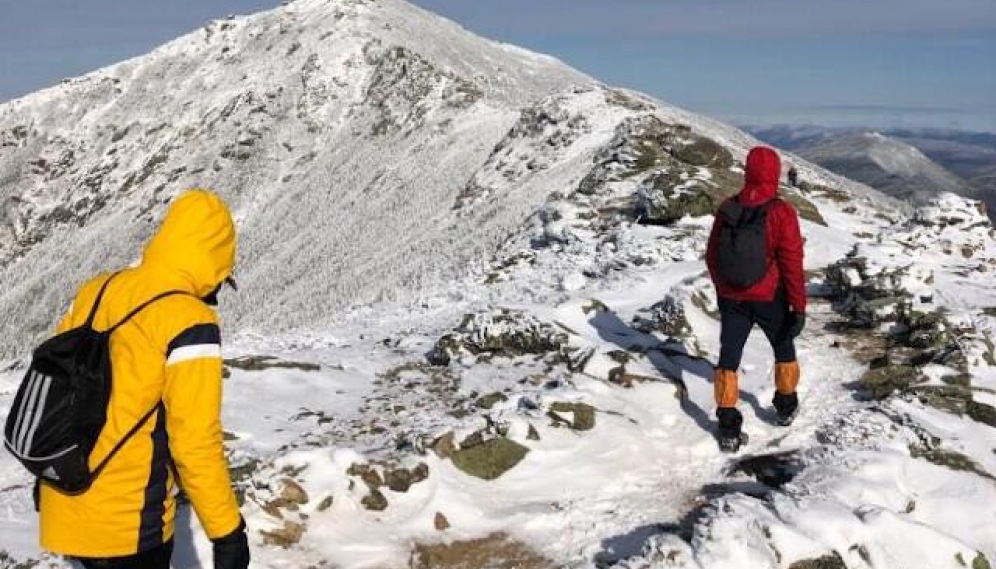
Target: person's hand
(796, 322)
(232, 551)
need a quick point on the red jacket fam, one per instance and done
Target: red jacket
(784, 238)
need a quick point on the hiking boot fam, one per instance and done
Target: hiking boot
(787, 407)
(728, 429)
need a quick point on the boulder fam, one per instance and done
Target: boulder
(666, 317)
(882, 382)
(981, 412)
(582, 415)
(440, 522)
(490, 459)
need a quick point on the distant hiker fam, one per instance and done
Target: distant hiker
(755, 260)
(793, 177)
(167, 366)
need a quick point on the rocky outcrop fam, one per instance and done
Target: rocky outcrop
(505, 333)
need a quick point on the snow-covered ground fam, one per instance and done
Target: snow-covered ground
(646, 486)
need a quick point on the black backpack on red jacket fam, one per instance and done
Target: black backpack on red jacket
(742, 257)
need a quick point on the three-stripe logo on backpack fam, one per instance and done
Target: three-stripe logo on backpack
(38, 423)
(30, 413)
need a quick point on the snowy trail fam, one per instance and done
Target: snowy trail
(645, 466)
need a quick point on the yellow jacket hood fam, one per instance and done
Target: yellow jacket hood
(196, 241)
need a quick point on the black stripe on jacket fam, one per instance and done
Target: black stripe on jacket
(150, 533)
(195, 336)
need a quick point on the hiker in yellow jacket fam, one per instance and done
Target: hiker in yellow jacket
(168, 355)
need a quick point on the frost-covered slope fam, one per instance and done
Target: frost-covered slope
(340, 132)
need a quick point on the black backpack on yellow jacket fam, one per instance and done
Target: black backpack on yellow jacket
(61, 405)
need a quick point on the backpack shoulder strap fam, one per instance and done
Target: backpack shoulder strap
(131, 432)
(143, 306)
(731, 210)
(100, 296)
(766, 206)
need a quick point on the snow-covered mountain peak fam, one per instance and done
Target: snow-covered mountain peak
(344, 134)
(345, 101)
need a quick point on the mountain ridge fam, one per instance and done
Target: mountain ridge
(313, 120)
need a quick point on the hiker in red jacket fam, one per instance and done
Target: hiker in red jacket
(755, 260)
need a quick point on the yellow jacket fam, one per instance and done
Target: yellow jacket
(168, 355)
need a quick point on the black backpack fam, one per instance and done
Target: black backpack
(742, 259)
(61, 405)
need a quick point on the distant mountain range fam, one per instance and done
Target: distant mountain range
(912, 164)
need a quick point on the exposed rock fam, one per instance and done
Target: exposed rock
(402, 479)
(241, 475)
(950, 398)
(474, 439)
(667, 317)
(420, 473)
(325, 504)
(398, 479)
(949, 459)
(678, 192)
(490, 459)
(505, 333)
(826, 562)
(700, 151)
(683, 186)
(440, 522)
(772, 470)
(532, 434)
(444, 446)
(806, 209)
(293, 492)
(492, 552)
(367, 473)
(285, 536)
(824, 192)
(274, 508)
(374, 501)
(490, 400)
(929, 331)
(981, 412)
(882, 382)
(872, 292)
(582, 415)
(261, 363)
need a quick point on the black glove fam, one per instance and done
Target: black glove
(796, 322)
(232, 551)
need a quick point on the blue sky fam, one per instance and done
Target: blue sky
(869, 62)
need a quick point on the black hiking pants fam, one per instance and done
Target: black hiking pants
(738, 319)
(157, 558)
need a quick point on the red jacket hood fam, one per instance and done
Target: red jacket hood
(763, 170)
